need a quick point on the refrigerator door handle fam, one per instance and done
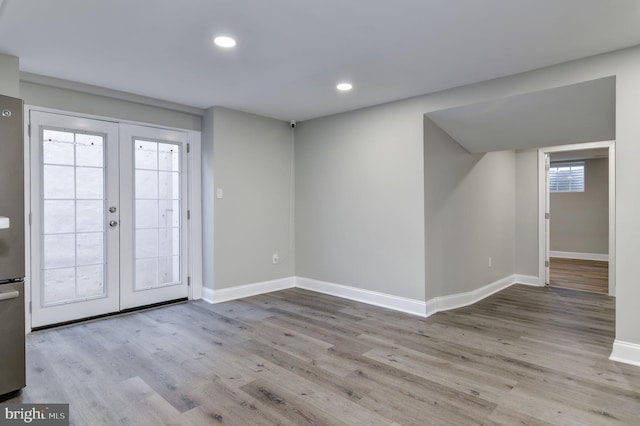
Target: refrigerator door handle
(9, 295)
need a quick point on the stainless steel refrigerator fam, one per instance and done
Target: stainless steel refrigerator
(12, 309)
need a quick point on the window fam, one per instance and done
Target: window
(566, 177)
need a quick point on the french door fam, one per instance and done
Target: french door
(153, 243)
(108, 212)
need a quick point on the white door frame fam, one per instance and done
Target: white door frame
(195, 201)
(542, 196)
(547, 221)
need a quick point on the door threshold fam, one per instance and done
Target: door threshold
(112, 314)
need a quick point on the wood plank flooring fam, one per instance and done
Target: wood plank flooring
(525, 355)
(578, 274)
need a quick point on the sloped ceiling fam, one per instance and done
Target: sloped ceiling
(583, 112)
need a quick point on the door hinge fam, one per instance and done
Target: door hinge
(29, 218)
(547, 216)
(546, 263)
(30, 306)
(188, 214)
(29, 129)
(188, 281)
(188, 148)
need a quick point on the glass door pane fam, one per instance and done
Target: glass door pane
(157, 214)
(73, 235)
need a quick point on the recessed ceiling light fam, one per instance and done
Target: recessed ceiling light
(224, 41)
(343, 87)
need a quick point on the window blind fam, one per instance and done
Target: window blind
(566, 177)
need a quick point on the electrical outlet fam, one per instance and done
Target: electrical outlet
(490, 263)
(219, 193)
(275, 259)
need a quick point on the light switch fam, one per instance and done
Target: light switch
(219, 193)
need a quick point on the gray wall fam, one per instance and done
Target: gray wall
(580, 220)
(251, 161)
(469, 214)
(208, 204)
(108, 104)
(359, 200)
(9, 76)
(526, 256)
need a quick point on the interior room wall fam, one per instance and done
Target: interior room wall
(360, 200)
(250, 160)
(9, 76)
(66, 99)
(469, 215)
(526, 256)
(328, 138)
(208, 196)
(580, 220)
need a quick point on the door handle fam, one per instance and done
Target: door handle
(9, 295)
(113, 223)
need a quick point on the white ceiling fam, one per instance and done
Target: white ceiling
(577, 113)
(291, 53)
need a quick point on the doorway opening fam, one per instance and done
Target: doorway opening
(577, 217)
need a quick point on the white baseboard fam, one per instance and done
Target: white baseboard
(207, 294)
(580, 256)
(402, 304)
(247, 290)
(628, 353)
(454, 301)
(397, 303)
(528, 280)
(389, 301)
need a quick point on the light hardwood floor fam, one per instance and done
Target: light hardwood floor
(578, 274)
(525, 355)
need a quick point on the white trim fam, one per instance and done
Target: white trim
(247, 290)
(412, 306)
(527, 280)
(207, 295)
(389, 301)
(579, 256)
(27, 213)
(612, 219)
(195, 206)
(626, 352)
(397, 303)
(454, 301)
